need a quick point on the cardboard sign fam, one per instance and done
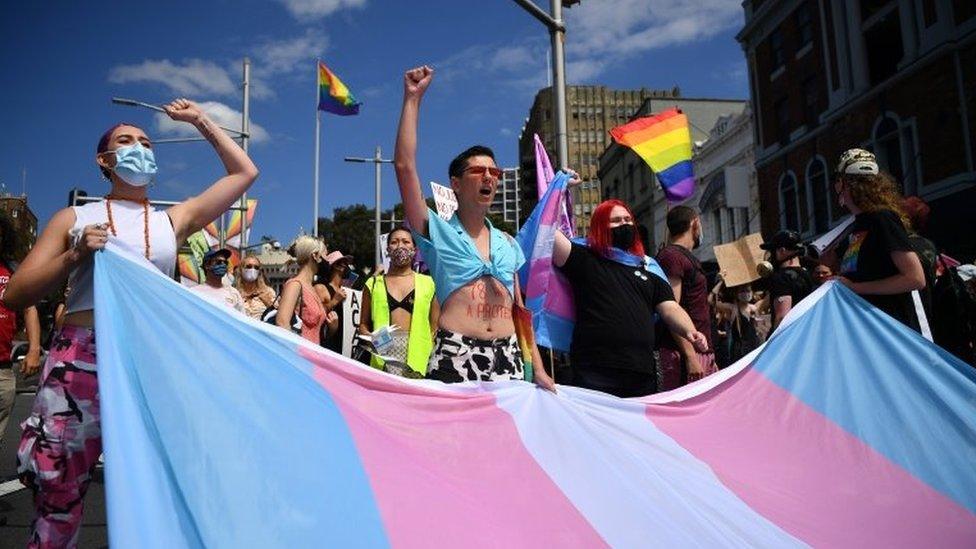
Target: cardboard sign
(737, 260)
(444, 199)
(384, 254)
(350, 318)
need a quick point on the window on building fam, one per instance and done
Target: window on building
(882, 43)
(804, 24)
(776, 52)
(820, 191)
(717, 226)
(803, 205)
(871, 7)
(895, 147)
(782, 109)
(963, 10)
(929, 13)
(811, 110)
(788, 215)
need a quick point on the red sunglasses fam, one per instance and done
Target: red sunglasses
(480, 170)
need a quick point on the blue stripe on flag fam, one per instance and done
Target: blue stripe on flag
(215, 433)
(676, 173)
(882, 382)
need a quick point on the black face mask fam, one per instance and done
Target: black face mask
(623, 236)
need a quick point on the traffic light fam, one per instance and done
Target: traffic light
(73, 196)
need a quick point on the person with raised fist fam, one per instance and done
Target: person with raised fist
(61, 440)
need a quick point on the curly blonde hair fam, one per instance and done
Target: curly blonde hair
(872, 193)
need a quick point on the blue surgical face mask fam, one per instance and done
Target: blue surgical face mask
(220, 269)
(135, 164)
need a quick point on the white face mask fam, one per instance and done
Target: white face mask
(250, 275)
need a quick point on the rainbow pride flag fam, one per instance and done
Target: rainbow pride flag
(846, 429)
(334, 96)
(664, 142)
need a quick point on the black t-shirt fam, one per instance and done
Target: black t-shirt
(795, 282)
(874, 235)
(614, 312)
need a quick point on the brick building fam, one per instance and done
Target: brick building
(23, 220)
(897, 77)
(591, 111)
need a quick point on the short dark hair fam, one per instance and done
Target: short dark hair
(401, 228)
(680, 218)
(461, 161)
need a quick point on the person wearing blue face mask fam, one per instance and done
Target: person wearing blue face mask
(67, 398)
(213, 288)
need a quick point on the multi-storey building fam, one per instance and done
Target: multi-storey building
(591, 111)
(897, 77)
(506, 203)
(23, 220)
(625, 176)
(728, 195)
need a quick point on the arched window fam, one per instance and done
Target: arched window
(887, 145)
(893, 140)
(819, 191)
(789, 216)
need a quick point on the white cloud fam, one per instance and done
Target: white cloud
(289, 55)
(192, 78)
(610, 31)
(316, 9)
(220, 113)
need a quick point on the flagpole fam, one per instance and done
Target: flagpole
(315, 191)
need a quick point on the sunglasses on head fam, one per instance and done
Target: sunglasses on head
(480, 170)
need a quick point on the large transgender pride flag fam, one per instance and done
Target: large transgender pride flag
(845, 430)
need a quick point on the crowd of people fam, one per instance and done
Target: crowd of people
(643, 324)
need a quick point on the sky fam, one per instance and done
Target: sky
(62, 63)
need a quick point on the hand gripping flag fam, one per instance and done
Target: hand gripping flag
(547, 292)
(845, 429)
(664, 142)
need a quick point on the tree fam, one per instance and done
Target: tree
(350, 230)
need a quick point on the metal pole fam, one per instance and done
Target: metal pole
(315, 184)
(558, 34)
(376, 164)
(245, 137)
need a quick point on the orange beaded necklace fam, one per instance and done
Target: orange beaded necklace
(145, 218)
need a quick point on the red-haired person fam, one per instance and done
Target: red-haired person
(617, 290)
(62, 437)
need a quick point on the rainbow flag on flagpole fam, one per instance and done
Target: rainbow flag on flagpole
(664, 142)
(334, 96)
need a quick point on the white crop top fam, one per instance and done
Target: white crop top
(128, 218)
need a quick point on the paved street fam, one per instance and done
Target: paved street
(15, 502)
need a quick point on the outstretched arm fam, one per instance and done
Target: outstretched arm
(192, 215)
(415, 83)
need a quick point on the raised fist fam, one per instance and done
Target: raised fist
(415, 81)
(183, 110)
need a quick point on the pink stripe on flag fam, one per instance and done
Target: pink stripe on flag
(768, 447)
(449, 468)
(539, 272)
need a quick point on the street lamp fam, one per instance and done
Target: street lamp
(376, 160)
(557, 35)
(243, 134)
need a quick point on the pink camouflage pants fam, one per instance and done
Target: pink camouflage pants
(62, 439)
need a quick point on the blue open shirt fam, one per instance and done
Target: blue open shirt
(454, 260)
